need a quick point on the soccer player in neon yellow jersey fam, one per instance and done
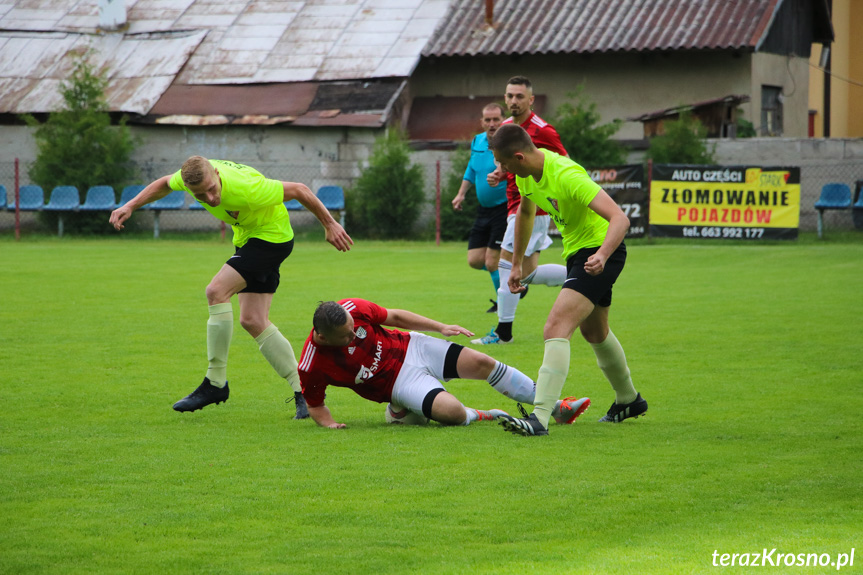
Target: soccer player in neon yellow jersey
(254, 207)
(593, 227)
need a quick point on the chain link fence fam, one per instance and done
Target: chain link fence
(814, 174)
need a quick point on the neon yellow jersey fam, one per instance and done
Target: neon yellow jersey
(252, 204)
(565, 191)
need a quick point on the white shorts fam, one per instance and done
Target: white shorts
(539, 239)
(421, 372)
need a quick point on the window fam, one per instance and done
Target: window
(771, 110)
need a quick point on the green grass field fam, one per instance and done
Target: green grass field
(750, 357)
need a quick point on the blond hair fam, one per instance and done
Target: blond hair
(194, 170)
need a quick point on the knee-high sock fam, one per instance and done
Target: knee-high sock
(512, 383)
(495, 279)
(612, 362)
(549, 274)
(552, 375)
(506, 300)
(278, 351)
(470, 415)
(220, 328)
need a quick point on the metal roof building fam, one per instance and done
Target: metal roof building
(181, 61)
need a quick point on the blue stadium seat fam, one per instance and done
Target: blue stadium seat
(196, 205)
(173, 201)
(834, 196)
(130, 192)
(99, 198)
(32, 198)
(63, 199)
(294, 205)
(333, 198)
(2, 197)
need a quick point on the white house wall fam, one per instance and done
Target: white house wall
(792, 73)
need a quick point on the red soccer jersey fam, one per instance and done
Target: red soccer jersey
(544, 136)
(369, 365)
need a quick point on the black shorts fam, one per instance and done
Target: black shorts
(595, 288)
(258, 262)
(488, 228)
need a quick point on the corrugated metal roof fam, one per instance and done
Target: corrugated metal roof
(732, 99)
(139, 67)
(208, 42)
(588, 26)
(356, 103)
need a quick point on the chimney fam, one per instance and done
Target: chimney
(112, 15)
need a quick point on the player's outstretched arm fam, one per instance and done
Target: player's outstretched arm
(154, 191)
(336, 234)
(404, 319)
(321, 415)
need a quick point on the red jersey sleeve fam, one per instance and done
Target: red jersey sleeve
(365, 310)
(314, 383)
(548, 138)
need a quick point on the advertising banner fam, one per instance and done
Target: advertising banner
(625, 185)
(740, 202)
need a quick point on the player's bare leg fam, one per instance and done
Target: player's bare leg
(448, 410)
(486, 259)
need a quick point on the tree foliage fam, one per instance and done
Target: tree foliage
(78, 146)
(684, 142)
(588, 142)
(456, 225)
(386, 199)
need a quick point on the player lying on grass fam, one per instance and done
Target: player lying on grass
(349, 347)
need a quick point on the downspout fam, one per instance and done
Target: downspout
(826, 66)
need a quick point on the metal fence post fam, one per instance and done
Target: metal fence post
(437, 202)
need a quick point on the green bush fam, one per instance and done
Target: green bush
(456, 225)
(745, 128)
(588, 142)
(78, 146)
(682, 143)
(386, 199)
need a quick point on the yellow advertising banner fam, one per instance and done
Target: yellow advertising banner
(746, 202)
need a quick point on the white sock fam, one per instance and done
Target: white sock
(506, 300)
(220, 328)
(549, 274)
(512, 383)
(612, 361)
(278, 351)
(470, 415)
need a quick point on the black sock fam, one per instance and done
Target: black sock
(504, 330)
